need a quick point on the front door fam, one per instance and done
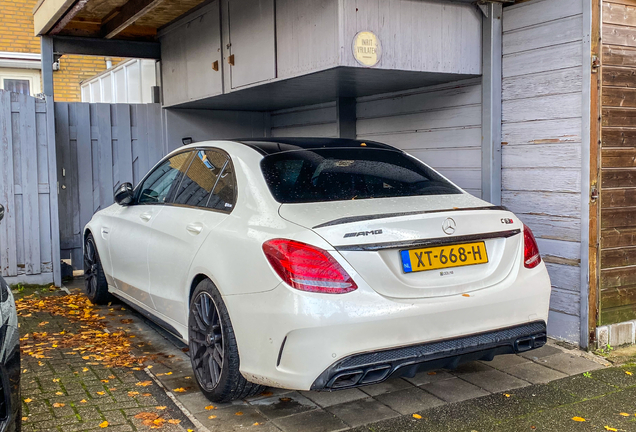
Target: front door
(132, 228)
(203, 200)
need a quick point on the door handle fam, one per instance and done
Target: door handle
(145, 217)
(194, 228)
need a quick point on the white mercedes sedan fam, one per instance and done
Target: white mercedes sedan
(316, 264)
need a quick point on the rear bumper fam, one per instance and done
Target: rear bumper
(290, 339)
(375, 367)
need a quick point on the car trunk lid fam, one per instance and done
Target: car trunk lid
(374, 236)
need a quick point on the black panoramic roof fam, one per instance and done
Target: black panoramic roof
(268, 146)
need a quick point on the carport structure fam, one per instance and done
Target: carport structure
(499, 97)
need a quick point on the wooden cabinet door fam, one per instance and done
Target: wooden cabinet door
(191, 58)
(203, 55)
(252, 41)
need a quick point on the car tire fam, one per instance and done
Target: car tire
(95, 285)
(213, 350)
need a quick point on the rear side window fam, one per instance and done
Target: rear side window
(161, 184)
(201, 178)
(349, 173)
(224, 195)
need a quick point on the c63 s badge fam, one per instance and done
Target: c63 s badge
(363, 233)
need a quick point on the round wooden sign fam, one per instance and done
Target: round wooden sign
(367, 49)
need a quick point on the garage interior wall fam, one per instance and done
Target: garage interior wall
(440, 125)
(204, 125)
(541, 142)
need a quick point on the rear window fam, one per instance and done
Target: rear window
(349, 173)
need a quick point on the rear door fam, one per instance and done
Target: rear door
(204, 199)
(132, 228)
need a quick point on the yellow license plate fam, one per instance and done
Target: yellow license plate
(434, 258)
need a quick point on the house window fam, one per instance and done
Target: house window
(17, 86)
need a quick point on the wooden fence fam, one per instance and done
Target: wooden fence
(100, 146)
(29, 235)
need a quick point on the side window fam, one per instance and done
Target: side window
(200, 179)
(161, 184)
(223, 196)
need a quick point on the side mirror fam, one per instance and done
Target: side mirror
(1, 212)
(124, 194)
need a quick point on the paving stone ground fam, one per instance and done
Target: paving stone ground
(64, 392)
(470, 398)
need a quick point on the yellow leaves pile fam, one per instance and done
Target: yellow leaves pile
(92, 342)
(154, 421)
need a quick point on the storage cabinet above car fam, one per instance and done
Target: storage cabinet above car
(269, 49)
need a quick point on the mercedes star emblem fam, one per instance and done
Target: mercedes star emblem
(449, 226)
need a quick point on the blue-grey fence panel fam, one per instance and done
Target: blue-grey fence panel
(29, 233)
(99, 147)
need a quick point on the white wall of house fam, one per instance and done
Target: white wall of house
(541, 142)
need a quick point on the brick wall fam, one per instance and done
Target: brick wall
(73, 70)
(16, 35)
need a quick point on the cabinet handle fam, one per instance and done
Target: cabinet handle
(215, 66)
(230, 60)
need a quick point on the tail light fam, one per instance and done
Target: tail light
(531, 257)
(307, 268)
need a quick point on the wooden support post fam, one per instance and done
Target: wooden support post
(491, 105)
(346, 117)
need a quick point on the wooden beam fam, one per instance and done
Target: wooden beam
(130, 12)
(77, 7)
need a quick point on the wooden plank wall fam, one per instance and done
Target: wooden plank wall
(307, 121)
(99, 147)
(27, 234)
(429, 36)
(618, 162)
(541, 142)
(440, 125)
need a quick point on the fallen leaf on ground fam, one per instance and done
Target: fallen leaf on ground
(578, 419)
(611, 429)
(417, 416)
(28, 400)
(132, 393)
(210, 407)
(179, 390)
(161, 407)
(127, 321)
(83, 401)
(103, 424)
(629, 373)
(144, 383)
(212, 417)
(101, 393)
(625, 414)
(58, 405)
(239, 413)
(174, 421)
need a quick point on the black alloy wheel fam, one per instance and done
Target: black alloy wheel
(213, 348)
(95, 285)
(206, 341)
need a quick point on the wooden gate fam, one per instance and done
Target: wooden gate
(617, 221)
(100, 146)
(29, 240)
